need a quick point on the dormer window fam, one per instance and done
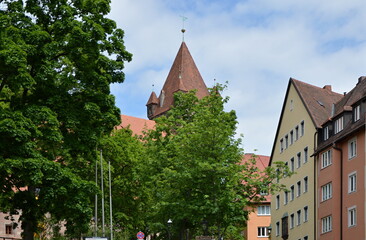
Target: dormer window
(326, 133)
(356, 113)
(338, 125)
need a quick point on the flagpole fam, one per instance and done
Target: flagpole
(110, 200)
(102, 187)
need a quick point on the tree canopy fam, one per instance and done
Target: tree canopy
(57, 61)
(195, 171)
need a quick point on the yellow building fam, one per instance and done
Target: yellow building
(305, 108)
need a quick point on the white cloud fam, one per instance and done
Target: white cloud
(256, 45)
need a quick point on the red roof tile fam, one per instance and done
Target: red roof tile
(183, 76)
(137, 125)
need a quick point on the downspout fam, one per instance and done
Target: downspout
(315, 187)
(341, 216)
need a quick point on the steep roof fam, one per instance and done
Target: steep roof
(183, 76)
(153, 99)
(137, 125)
(317, 101)
(353, 96)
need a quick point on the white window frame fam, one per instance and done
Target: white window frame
(296, 132)
(327, 224)
(291, 137)
(292, 193)
(281, 145)
(306, 155)
(338, 125)
(277, 201)
(352, 148)
(285, 198)
(302, 128)
(262, 232)
(352, 216)
(298, 213)
(306, 184)
(264, 210)
(298, 159)
(326, 158)
(277, 229)
(298, 193)
(292, 164)
(327, 191)
(352, 182)
(286, 141)
(306, 213)
(356, 113)
(326, 133)
(292, 221)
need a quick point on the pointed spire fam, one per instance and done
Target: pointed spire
(183, 76)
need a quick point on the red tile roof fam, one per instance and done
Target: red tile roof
(137, 125)
(261, 163)
(318, 101)
(183, 76)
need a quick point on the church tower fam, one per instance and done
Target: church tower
(183, 76)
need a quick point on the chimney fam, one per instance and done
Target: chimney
(328, 87)
(361, 79)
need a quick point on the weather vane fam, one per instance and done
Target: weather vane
(184, 18)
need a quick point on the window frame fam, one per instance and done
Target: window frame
(357, 113)
(264, 210)
(306, 154)
(327, 191)
(326, 224)
(261, 231)
(338, 125)
(352, 182)
(326, 159)
(352, 216)
(352, 148)
(306, 184)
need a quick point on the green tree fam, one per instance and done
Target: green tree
(196, 176)
(55, 103)
(126, 155)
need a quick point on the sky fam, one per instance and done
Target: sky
(254, 45)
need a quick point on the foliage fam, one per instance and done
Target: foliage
(126, 155)
(55, 103)
(196, 175)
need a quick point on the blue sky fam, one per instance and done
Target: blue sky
(255, 45)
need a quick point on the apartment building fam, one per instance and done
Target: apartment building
(340, 163)
(305, 108)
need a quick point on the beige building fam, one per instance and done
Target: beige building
(305, 108)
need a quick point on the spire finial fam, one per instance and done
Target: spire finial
(184, 18)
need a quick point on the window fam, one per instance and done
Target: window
(284, 227)
(338, 125)
(352, 216)
(302, 126)
(306, 214)
(277, 229)
(306, 155)
(286, 141)
(296, 133)
(285, 198)
(263, 210)
(8, 229)
(298, 189)
(262, 231)
(292, 165)
(326, 191)
(326, 159)
(298, 160)
(292, 193)
(298, 217)
(306, 238)
(292, 221)
(281, 145)
(352, 148)
(291, 137)
(326, 133)
(327, 224)
(352, 182)
(277, 201)
(305, 184)
(356, 113)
